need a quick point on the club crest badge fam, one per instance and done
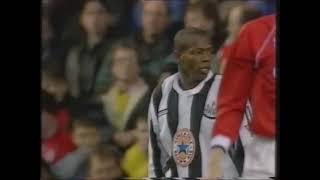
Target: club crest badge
(183, 147)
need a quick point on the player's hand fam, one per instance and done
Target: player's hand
(215, 164)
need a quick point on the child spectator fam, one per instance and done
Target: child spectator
(103, 164)
(56, 143)
(87, 137)
(135, 160)
(127, 99)
(46, 173)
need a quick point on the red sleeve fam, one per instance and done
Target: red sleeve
(235, 87)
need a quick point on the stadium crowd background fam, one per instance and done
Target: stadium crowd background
(100, 61)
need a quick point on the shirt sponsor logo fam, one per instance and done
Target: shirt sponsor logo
(183, 147)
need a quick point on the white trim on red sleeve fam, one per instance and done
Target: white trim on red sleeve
(222, 141)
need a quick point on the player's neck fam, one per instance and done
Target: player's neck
(186, 83)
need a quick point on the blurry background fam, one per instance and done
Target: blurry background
(100, 61)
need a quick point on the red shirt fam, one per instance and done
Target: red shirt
(224, 54)
(60, 144)
(249, 75)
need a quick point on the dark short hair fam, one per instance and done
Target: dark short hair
(48, 103)
(185, 38)
(104, 151)
(84, 120)
(125, 43)
(53, 69)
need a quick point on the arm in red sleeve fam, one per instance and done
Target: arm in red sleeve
(234, 91)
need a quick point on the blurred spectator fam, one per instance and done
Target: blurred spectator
(153, 39)
(61, 12)
(128, 97)
(266, 7)
(50, 46)
(135, 160)
(204, 15)
(85, 133)
(176, 12)
(85, 61)
(120, 10)
(238, 16)
(55, 120)
(53, 81)
(226, 6)
(46, 173)
(104, 165)
(55, 140)
(87, 137)
(119, 26)
(56, 143)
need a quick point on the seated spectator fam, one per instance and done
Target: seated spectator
(85, 133)
(46, 173)
(225, 7)
(86, 136)
(238, 16)
(176, 11)
(53, 82)
(56, 143)
(204, 15)
(87, 63)
(135, 160)
(51, 49)
(153, 39)
(127, 99)
(55, 86)
(104, 164)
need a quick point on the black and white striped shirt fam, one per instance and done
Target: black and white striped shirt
(180, 126)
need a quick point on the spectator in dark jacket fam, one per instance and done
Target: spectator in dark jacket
(153, 39)
(87, 65)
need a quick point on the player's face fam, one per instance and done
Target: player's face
(195, 62)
